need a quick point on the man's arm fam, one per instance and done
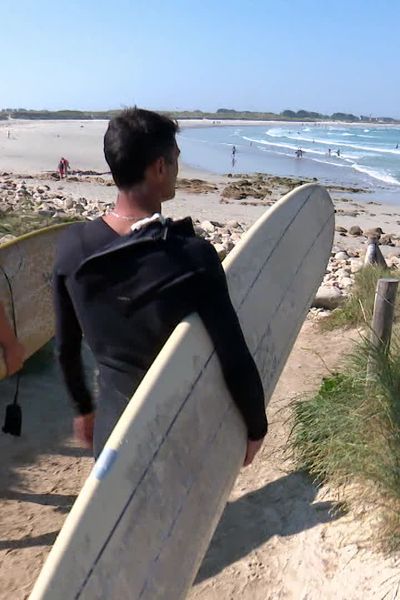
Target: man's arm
(68, 347)
(239, 369)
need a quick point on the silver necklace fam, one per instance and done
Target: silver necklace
(124, 217)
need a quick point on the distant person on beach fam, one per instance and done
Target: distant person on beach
(299, 153)
(8, 134)
(63, 167)
(329, 152)
(13, 350)
(397, 146)
(233, 151)
(125, 280)
(338, 152)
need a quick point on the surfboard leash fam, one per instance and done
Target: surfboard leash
(13, 417)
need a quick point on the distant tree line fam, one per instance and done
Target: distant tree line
(220, 114)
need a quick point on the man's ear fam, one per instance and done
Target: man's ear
(161, 165)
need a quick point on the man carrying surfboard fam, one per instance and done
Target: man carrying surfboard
(125, 281)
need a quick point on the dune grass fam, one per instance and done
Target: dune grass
(348, 436)
(358, 308)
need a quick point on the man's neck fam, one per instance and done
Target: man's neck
(131, 207)
(137, 205)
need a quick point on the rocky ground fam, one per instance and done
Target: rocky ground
(29, 202)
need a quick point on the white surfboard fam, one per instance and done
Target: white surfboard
(142, 523)
(26, 266)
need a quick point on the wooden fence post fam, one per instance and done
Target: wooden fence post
(382, 320)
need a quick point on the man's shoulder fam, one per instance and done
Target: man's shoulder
(71, 236)
(70, 246)
(202, 252)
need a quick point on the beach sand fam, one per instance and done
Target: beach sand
(277, 538)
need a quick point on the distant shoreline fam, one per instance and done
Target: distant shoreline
(205, 122)
(219, 117)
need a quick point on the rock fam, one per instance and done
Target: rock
(386, 240)
(216, 238)
(328, 298)
(233, 225)
(69, 203)
(322, 314)
(341, 256)
(229, 245)
(46, 213)
(394, 255)
(346, 281)
(355, 230)
(374, 232)
(343, 272)
(7, 238)
(221, 250)
(340, 229)
(356, 265)
(207, 226)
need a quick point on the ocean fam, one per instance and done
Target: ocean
(364, 155)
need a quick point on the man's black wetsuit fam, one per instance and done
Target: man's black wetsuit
(127, 294)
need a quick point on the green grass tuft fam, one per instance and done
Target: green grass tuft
(358, 308)
(348, 435)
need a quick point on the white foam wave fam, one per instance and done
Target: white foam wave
(282, 145)
(350, 145)
(277, 132)
(329, 162)
(380, 175)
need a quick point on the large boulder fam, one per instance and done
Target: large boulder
(328, 297)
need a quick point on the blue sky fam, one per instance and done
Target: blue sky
(326, 55)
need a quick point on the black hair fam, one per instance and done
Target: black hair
(134, 140)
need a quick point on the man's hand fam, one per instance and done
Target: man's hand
(14, 355)
(83, 429)
(252, 449)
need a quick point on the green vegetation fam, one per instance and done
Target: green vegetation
(348, 436)
(358, 309)
(19, 224)
(219, 115)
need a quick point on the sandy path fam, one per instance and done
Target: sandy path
(277, 538)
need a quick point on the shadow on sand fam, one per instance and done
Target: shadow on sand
(281, 508)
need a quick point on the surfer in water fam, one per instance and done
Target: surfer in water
(125, 280)
(13, 350)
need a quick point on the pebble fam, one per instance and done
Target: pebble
(207, 226)
(355, 230)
